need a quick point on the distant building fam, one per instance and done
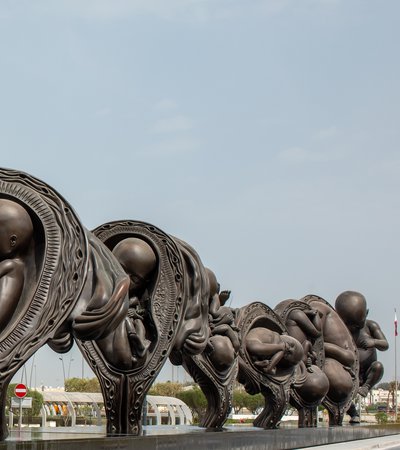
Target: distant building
(381, 396)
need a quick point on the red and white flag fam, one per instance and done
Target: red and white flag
(395, 323)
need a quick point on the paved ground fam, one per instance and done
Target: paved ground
(384, 442)
(195, 438)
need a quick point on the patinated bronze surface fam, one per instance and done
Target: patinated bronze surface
(311, 384)
(132, 296)
(215, 368)
(368, 337)
(268, 358)
(129, 358)
(341, 360)
(206, 351)
(43, 269)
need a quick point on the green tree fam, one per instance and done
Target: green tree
(167, 389)
(93, 385)
(37, 401)
(239, 400)
(254, 402)
(195, 399)
(82, 385)
(392, 393)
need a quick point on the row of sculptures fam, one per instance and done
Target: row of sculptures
(132, 296)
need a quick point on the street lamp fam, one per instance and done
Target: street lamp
(69, 366)
(62, 361)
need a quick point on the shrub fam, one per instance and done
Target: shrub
(381, 417)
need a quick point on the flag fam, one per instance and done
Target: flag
(395, 323)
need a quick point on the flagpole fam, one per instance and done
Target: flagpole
(395, 364)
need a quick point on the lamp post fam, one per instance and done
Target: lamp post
(395, 365)
(63, 367)
(32, 366)
(69, 366)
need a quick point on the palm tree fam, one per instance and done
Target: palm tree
(392, 393)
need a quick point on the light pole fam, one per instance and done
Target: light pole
(63, 367)
(395, 365)
(69, 366)
(33, 364)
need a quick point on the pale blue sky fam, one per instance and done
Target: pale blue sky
(263, 132)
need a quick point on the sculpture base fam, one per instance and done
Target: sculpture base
(184, 437)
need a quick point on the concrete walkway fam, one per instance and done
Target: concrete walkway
(383, 442)
(195, 438)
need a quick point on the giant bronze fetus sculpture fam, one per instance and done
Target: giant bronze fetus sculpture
(132, 296)
(215, 368)
(268, 360)
(311, 384)
(166, 274)
(128, 359)
(43, 268)
(341, 360)
(368, 337)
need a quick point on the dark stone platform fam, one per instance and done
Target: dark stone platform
(193, 438)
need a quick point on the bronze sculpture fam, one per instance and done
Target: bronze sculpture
(368, 337)
(206, 354)
(341, 360)
(44, 266)
(132, 296)
(139, 261)
(311, 384)
(215, 368)
(128, 359)
(15, 239)
(268, 358)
